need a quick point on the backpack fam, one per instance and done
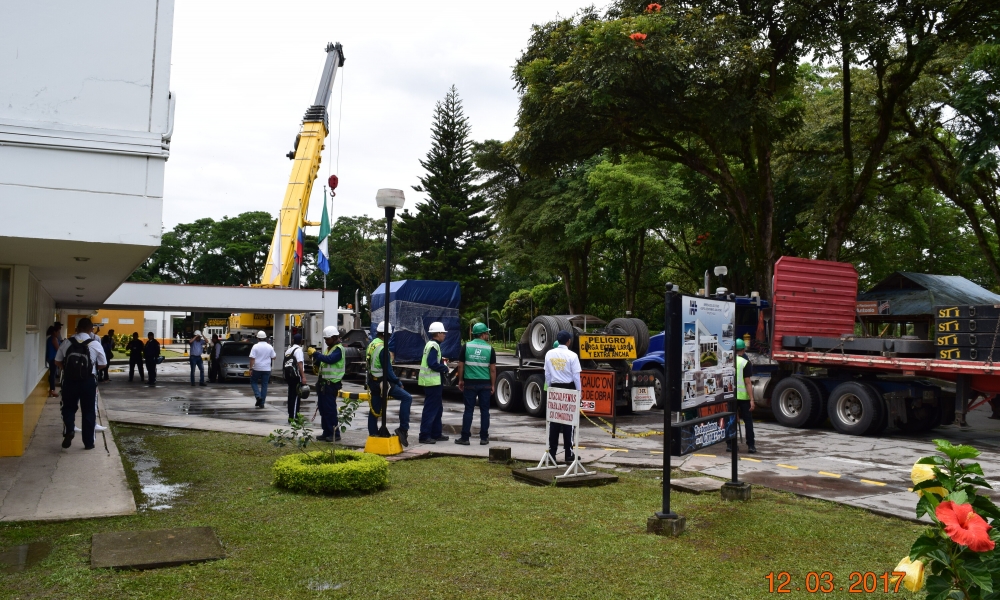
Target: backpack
(289, 369)
(77, 364)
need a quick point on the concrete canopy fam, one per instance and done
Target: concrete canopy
(207, 298)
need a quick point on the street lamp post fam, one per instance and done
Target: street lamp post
(390, 200)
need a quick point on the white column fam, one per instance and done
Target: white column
(279, 343)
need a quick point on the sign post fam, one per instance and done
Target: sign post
(563, 407)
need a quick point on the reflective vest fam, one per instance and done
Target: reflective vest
(334, 372)
(374, 358)
(741, 386)
(429, 376)
(477, 360)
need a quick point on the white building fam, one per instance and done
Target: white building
(85, 124)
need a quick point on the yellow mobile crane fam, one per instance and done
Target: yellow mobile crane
(306, 157)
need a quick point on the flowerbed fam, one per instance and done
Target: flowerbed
(351, 472)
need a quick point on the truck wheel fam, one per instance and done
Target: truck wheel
(823, 396)
(795, 402)
(920, 419)
(883, 422)
(509, 395)
(541, 333)
(854, 409)
(642, 337)
(534, 396)
(659, 387)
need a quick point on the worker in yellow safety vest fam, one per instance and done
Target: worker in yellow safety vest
(332, 367)
(380, 368)
(433, 370)
(744, 394)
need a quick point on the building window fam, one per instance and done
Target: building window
(5, 293)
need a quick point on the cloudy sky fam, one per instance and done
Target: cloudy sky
(244, 74)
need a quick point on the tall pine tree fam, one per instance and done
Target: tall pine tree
(448, 238)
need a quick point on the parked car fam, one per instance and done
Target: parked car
(235, 358)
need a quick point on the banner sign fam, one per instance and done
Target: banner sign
(563, 406)
(607, 347)
(598, 396)
(643, 398)
(872, 307)
(702, 433)
(708, 365)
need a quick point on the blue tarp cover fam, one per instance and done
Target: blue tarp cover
(413, 305)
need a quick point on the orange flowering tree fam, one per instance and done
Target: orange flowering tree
(956, 557)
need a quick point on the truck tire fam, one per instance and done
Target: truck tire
(509, 395)
(541, 333)
(642, 338)
(795, 402)
(625, 327)
(883, 422)
(534, 396)
(854, 409)
(823, 396)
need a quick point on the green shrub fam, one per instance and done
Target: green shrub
(352, 472)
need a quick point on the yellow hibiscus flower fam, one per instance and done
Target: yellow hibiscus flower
(914, 578)
(921, 473)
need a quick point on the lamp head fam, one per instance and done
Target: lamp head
(389, 198)
(721, 271)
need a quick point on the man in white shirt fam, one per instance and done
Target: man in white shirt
(261, 356)
(562, 370)
(80, 358)
(197, 349)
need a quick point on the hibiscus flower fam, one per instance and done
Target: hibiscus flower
(915, 575)
(638, 37)
(921, 473)
(654, 7)
(964, 526)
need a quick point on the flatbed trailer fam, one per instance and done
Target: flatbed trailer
(820, 369)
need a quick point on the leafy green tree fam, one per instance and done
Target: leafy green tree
(243, 242)
(448, 237)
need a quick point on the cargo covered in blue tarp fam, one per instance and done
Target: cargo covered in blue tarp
(413, 305)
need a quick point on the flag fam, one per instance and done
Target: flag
(276, 255)
(323, 259)
(299, 243)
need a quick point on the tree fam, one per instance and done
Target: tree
(448, 237)
(243, 241)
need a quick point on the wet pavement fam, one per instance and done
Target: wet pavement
(867, 472)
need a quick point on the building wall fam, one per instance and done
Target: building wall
(122, 321)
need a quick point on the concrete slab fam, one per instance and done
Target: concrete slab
(52, 483)
(154, 549)
(549, 476)
(696, 485)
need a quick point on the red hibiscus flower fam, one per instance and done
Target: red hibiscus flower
(654, 7)
(638, 37)
(964, 526)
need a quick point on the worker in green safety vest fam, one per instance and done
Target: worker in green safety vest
(332, 367)
(433, 370)
(744, 394)
(379, 369)
(477, 377)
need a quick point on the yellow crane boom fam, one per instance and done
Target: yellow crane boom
(306, 157)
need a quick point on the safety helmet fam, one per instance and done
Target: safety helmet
(197, 333)
(261, 335)
(436, 327)
(741, 345)
(480, 328)
(331, 331)
(380, 328)
(304, 391)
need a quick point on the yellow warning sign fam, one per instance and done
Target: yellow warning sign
(607, 347)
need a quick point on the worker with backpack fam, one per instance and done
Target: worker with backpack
(80, 358)
(295, 375)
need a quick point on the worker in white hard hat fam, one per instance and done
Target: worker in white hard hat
(433, 370)
(380, 369)
(194, 356)
(261, 356)
(332, 367)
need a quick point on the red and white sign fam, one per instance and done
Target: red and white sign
(563, 406)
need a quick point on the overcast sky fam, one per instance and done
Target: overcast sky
(244, 74)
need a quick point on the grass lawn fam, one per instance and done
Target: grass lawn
(453, 528)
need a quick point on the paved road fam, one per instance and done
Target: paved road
(868, 472)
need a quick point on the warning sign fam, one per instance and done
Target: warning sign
(563, 406)
(598, 396)
(607, 347)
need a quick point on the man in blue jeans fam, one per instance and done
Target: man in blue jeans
(380, 369)
(477, 377)
(261, 356)
(197, 348)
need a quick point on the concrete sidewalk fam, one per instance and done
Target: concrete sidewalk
(52, 483)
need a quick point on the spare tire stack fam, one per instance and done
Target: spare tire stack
(633, 327)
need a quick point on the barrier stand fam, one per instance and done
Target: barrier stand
(547, 462)
(576, 468)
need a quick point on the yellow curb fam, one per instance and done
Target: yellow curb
(705, 455)
(750, 459)
(870, 482)
(788, 467)
(829, 474)
(616, 449)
